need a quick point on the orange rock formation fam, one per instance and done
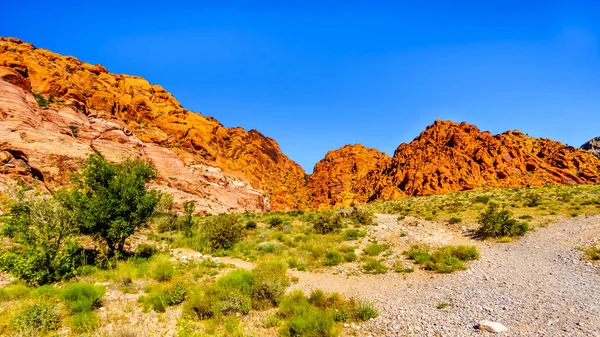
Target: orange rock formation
(231, 169)
(178, 139)
(449, 157)
(342, 177)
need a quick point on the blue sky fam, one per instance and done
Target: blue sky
(317, 76)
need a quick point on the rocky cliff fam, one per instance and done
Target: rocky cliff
(449, 157)
(592, 146)
(55, 110)
(90, 109)
(342, 177)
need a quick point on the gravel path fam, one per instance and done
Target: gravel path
(535, 286)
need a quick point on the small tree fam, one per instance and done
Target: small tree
(327, 222)
(497, 223)
(111, 201)
(222, 231)
(188, 222)
(44, 232)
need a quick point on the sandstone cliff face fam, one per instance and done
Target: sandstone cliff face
(342, 177)
(592, 146)
(181, 143)
(449, 157)
(43, 146)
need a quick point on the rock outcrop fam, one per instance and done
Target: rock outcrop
(449, 157)
(121, 116)
(55, 110)
(592, 146)
(342, 177)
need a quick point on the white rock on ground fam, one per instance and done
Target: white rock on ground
(490, 326)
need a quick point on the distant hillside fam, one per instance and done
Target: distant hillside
(592, 146)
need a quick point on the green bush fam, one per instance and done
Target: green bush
(354, 234)
(251, 224)
(373, 266)
(84, 322)
(332, 258)
(161, 298)
(375, 249)
(145, 250)
(363, 216)
(163, 270)
(14, 291)
(83, 297)
(365, 311)
(45, 233)
(270, 283)
(483, 199)
(313, 323)
(498, 223)
(532, 199)
(275, 221)
(40, 99)
(446, 259)
(37, 318)
(222, 231)
(454, 220)
(327, 222)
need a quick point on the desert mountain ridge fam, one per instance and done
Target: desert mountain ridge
(55, 110)
(592, 146)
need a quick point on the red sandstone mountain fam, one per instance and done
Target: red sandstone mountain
(449, 157)
(230, 169)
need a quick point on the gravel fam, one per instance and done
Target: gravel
(535, 286)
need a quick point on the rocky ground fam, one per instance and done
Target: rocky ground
(536, 286)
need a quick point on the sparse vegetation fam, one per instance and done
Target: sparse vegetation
(446, 259)
(497, 223)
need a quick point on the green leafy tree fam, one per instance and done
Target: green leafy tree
(188, 222)
(44, 232)
(112, 201)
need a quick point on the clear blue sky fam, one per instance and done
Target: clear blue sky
(315, 77)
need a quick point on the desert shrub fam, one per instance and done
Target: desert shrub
(84, 322)
(270, 283)
(163, 270)
(161, 298)
(46, 291)
(446, 259)
(482, 199)
(373, 266)
(454, 220)
(363, 216)
(145, 250)
(498, 223)
(375, 249)
(275, 221)
(401, 268)
(40, 99)
(201, 304)
(269, 246)
(270, 321)
(251, 224)
(83, 297)
(532, 199)
(350, 256)
(37, 318)
(112, 201)
(312, 323)
(14, 291)
(319, 314)
(222, 231)
(365, 311)
(327, 222)
(332, 258)
(354, 234)
(592, 253)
